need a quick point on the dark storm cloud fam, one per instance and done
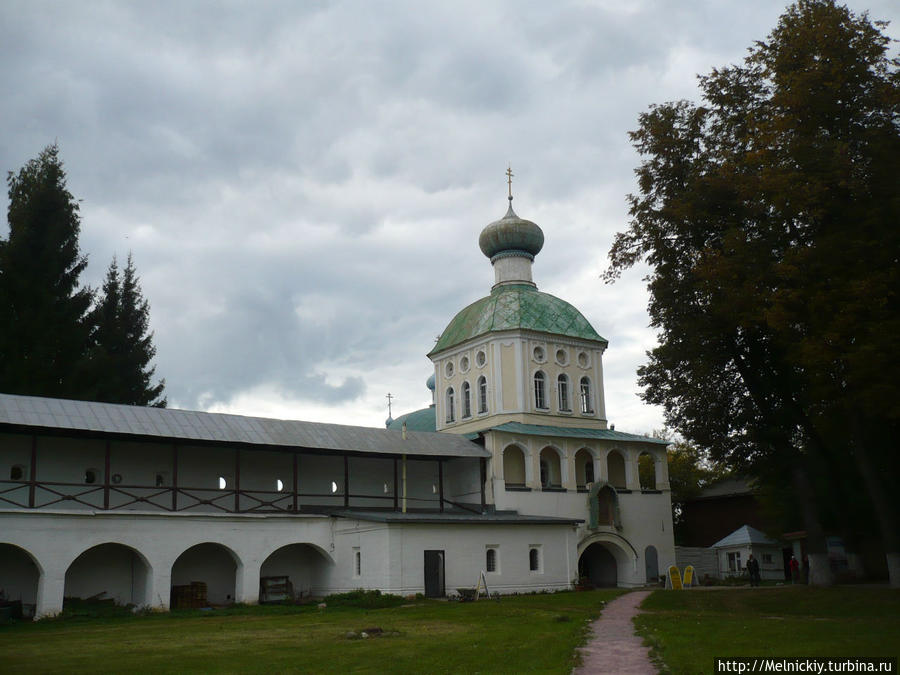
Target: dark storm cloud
(303, 184)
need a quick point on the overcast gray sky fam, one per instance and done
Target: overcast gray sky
(302, 184)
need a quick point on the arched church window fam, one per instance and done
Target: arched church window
(466, 400)
(586, 405)
(482, 394)
(451, 410)
(562, 387)
(540, 391)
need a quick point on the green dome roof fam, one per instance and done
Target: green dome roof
(513, 234)
(516, 306)
(418, 420)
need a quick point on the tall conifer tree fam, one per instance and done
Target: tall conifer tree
(123, 342)
(43, 310)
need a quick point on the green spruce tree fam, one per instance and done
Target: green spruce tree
(123, 343)
(44, 327)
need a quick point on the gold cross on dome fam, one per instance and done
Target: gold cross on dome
(509, 177)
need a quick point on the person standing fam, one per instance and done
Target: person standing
(753, 570)
(795, 570)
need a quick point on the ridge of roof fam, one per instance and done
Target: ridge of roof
(35, 412)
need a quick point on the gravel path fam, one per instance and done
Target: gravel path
(613, 646)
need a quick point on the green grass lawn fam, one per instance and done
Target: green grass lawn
(687, 629)
(536, 633)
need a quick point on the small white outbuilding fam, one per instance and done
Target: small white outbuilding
(733, 551)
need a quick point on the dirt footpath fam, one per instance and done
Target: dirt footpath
(613, 646)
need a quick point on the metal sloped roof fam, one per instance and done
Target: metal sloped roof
(186, 425)
(575, 432)
(744, 535)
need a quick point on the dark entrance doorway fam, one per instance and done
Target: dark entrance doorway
(598, 565)
(434, 574)
(651, 565)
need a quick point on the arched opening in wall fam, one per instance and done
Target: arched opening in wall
(651, 565)
(293, 572)
(584, 468)
(647, 471)
(551, 470)
(615, 469)
(514, 467)
(597, 566)
(606, 507)
(19, 576)
(202, 576)
(107, 572)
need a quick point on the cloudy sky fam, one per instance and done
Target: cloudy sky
(302, 184)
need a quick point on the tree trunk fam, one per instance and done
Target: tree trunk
(884, 514)
(817, 553)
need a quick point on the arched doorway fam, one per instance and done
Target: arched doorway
(598, 565)
(204, 575)
(304, 566)
(19, 576)
(651, 565)
(108, 572)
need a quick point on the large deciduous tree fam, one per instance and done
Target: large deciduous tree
(769, 216)
(123, 343)
(43, 310)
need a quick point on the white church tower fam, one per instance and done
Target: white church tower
(523, 370)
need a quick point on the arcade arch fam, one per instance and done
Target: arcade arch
(603, 561)
(212, 564)
(647, 471)
(305, 565)
(551, 468)
(584, 468)
(19, 575)
(514, 466)
(615, 469)
(112, 571)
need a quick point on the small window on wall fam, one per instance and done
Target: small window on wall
(534, 559)
(490, 559)
(357, 562)
(587, 407)
(482, 394)
(467, 400)
(162, 478)
(451, 410)
(767, 558)
(17, 472)
(562, 386)
(540, 391)
(90, 476)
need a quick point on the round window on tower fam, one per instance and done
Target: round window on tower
(562, 357)
(480, 358)
(448, 369)
(583, 359)
(464, 364)
(539, 354)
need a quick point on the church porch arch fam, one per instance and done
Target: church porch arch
(208, 566)
(304, 564)
(109, 571)
(20, 574)
(606, 560)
